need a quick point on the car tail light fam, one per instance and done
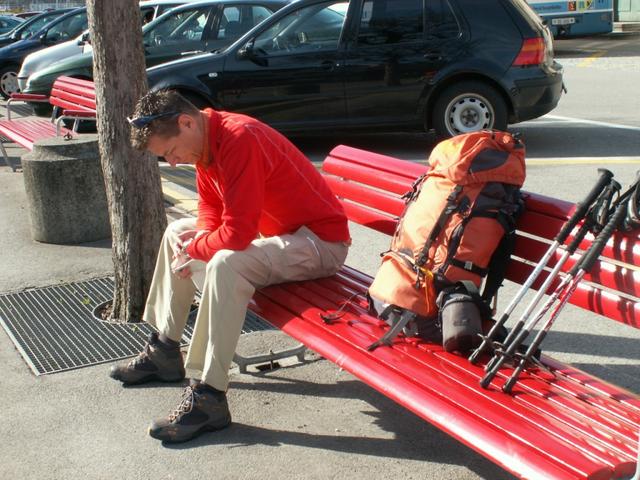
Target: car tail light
(531, 53)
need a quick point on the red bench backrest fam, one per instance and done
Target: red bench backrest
(73, 94)
(370, 186)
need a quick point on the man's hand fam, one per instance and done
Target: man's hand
(183, 239)
(180, 266)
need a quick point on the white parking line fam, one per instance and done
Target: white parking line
(592, 122)
(622, 160)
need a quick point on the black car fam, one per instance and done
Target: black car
(447, 65)
(63, 28)
(30, 26)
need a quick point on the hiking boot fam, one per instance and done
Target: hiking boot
(155, 363)
(202, 409)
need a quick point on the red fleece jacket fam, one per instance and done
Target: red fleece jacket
(254, 181)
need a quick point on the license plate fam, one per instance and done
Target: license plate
(563, 21)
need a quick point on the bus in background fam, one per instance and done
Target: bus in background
(575, 18)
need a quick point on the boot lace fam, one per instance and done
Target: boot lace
(142, 357)
(186, 403)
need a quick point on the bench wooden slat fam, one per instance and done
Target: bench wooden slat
(630, 400)
(614, 307)
(620, 247)
(370, 218)
(613, 275)
(71, 103)
(370, 176)
(357, 193)
(382, 163)
(27, 132)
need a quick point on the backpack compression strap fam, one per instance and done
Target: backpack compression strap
(450, 207)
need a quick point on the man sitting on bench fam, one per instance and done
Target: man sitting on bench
(265, 216)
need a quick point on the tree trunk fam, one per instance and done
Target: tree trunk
(132, 179)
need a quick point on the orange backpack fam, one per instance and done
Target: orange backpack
(455, 217)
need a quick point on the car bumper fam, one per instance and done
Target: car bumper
(22, 82)
(534, 97)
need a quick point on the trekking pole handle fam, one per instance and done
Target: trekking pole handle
(583, 207)
(573, 246)
(601, 240)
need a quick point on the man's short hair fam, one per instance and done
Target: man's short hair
(154, 103)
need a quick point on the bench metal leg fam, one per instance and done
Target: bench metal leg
(6, 157)
(244, 362)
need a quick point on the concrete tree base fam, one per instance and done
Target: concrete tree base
(65, 191)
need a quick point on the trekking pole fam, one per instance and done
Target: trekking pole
(521, 332)
(575, 275)
(595, 219)
(581, 210)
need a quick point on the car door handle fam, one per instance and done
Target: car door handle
(329, 65)
(432, 57)
(192, 52)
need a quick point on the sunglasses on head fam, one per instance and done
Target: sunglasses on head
(144, 120)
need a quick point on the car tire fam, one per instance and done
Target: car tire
(9, 81)
(468, 107)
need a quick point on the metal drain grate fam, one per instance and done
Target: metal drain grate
(54, 330)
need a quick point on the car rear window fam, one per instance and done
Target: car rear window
(528, 13)
(441, 21)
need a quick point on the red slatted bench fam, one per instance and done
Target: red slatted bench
(559, 422)
(74, 98)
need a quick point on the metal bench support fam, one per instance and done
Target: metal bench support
(6, 157)
(243, 362)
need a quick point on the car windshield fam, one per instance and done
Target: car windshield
(68, 28)
(314, 27)
(186, 25)
(35, 26)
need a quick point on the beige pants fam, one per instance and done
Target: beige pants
(227, 282)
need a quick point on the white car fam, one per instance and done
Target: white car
(43, 58)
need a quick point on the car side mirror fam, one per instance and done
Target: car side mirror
(85, 38)
(54, 37)
(248, 53)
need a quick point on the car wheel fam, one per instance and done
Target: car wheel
(8, 81)
(468, 107)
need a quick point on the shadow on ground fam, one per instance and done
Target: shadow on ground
(426, 443)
